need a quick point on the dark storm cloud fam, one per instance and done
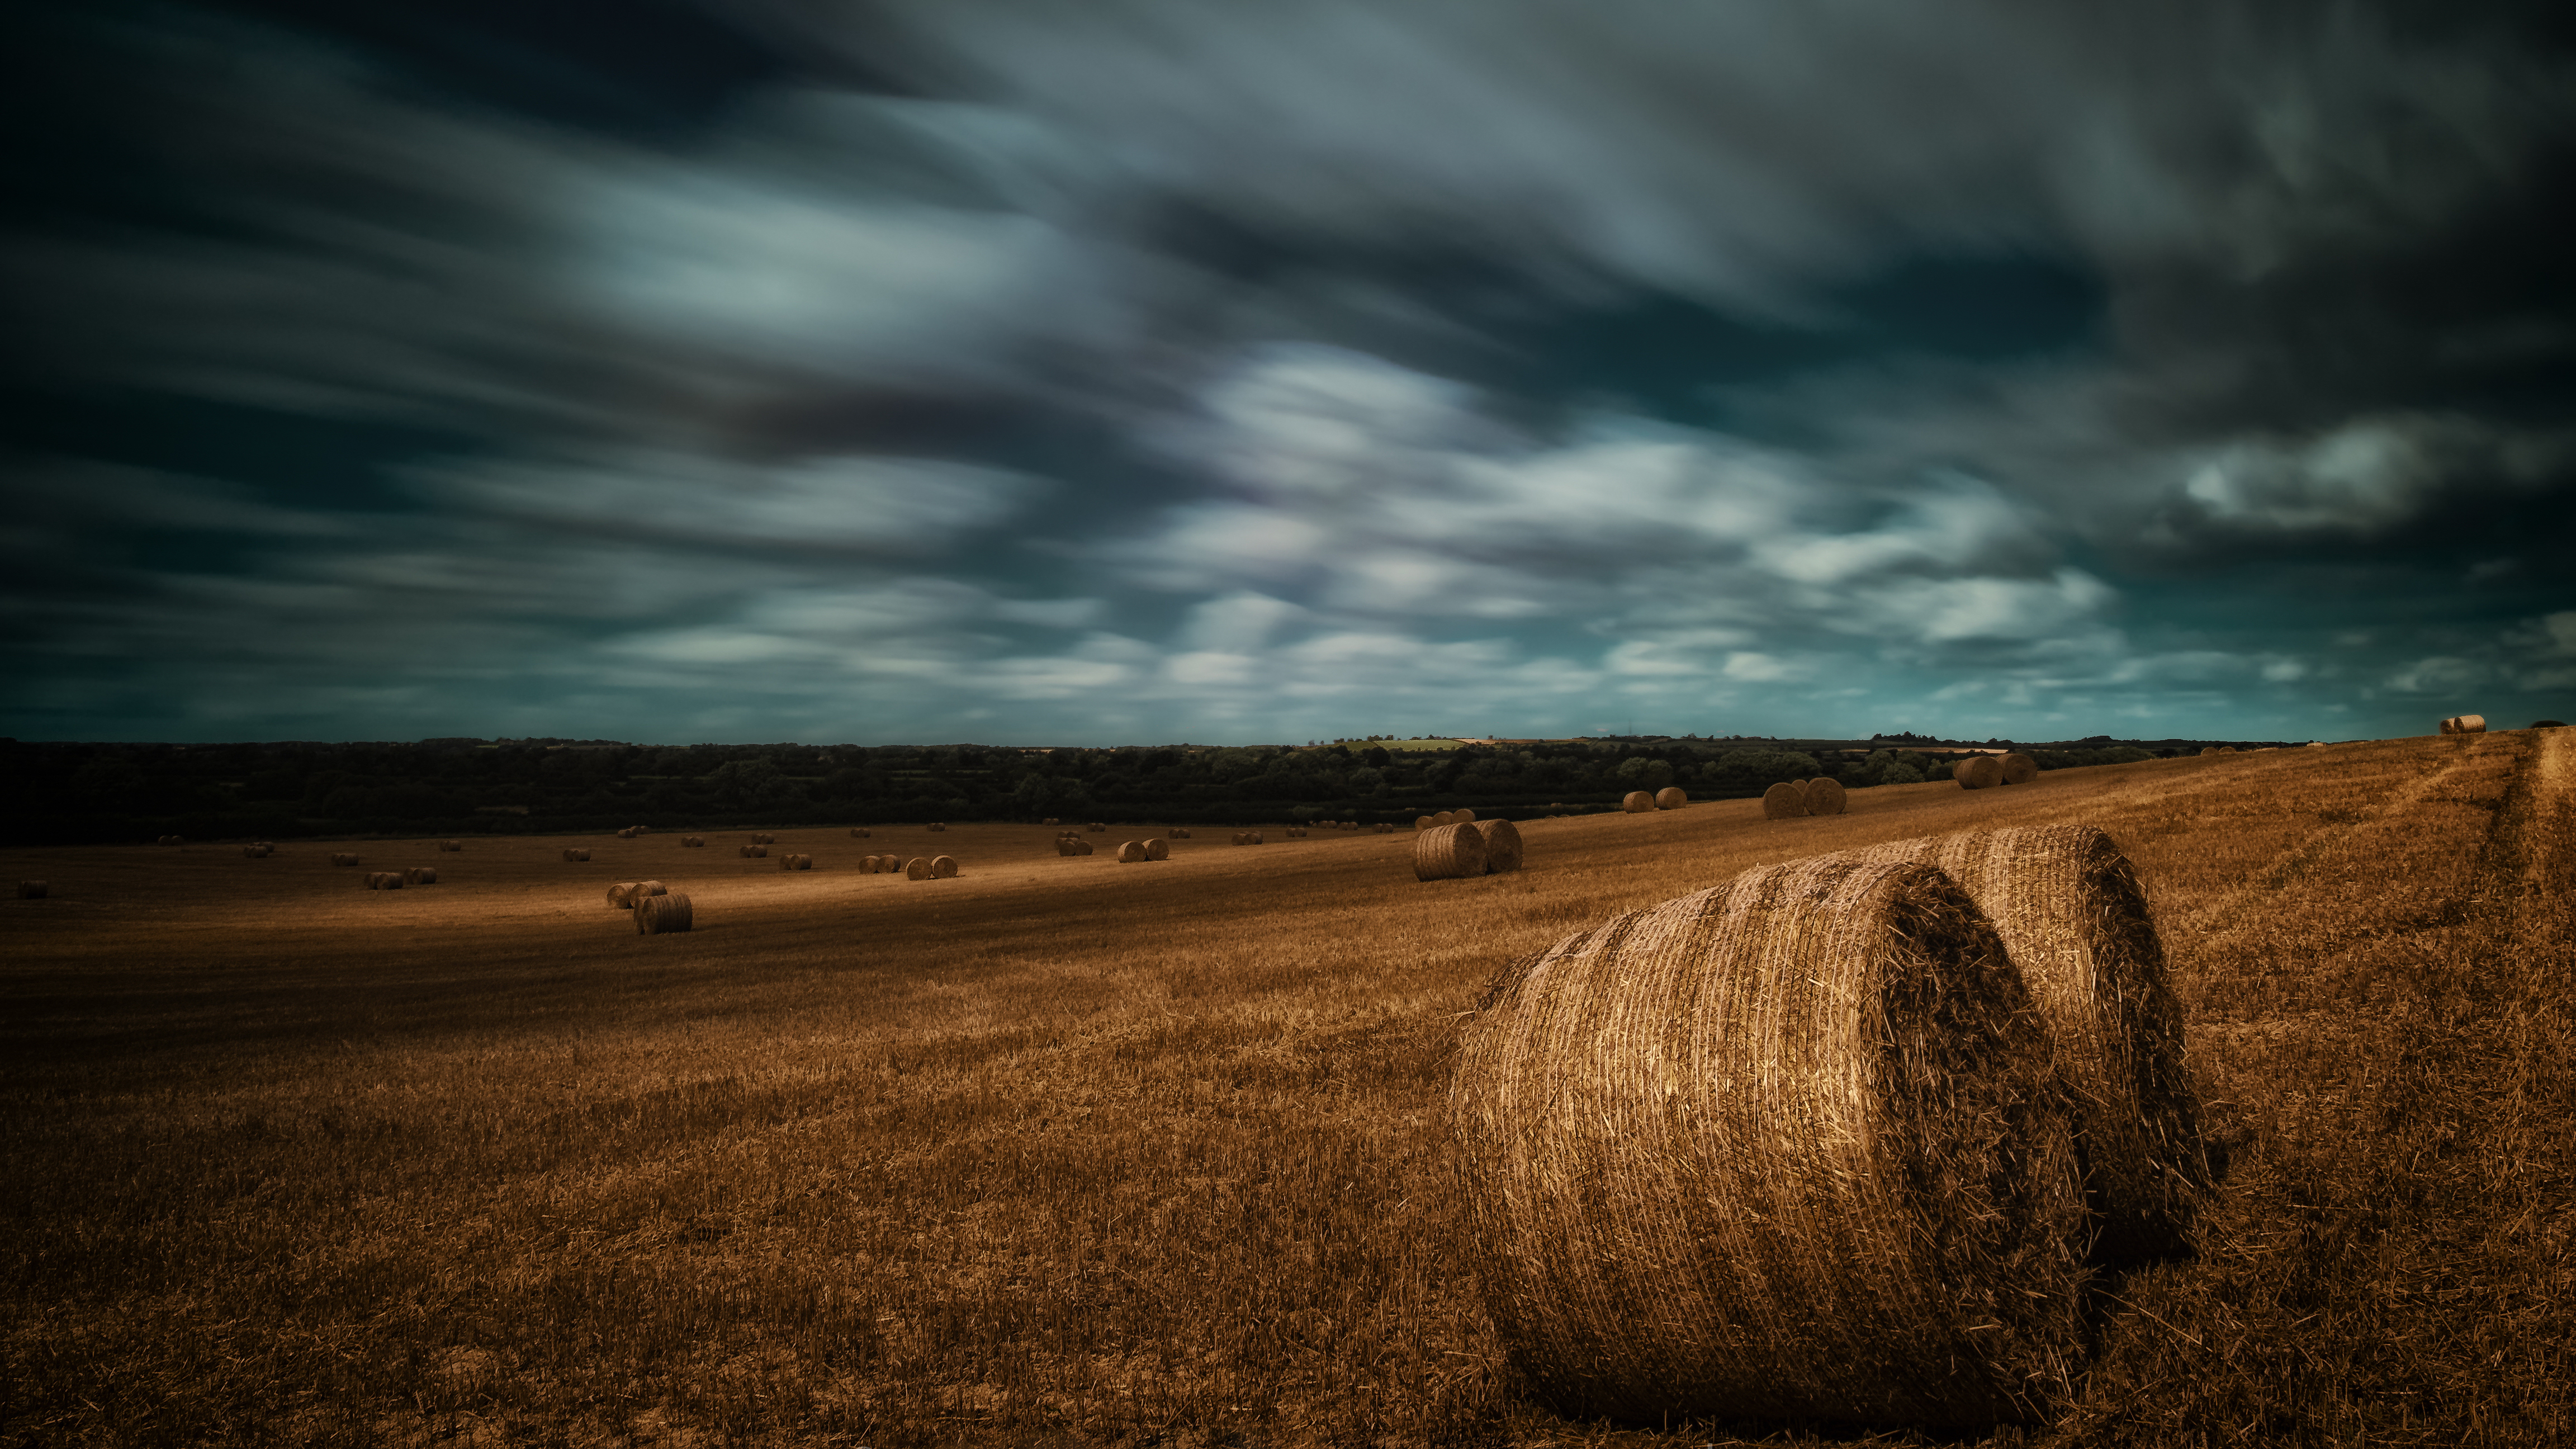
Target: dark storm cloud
(948, 369)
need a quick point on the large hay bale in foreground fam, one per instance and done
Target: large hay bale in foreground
(2075, 920)
(34, 890)
(1786, 800)
(1502, 846)
(2018, 768)
(1671, 797)
(1449, 852)
(1636, 802)
(1826, 796)
(1132, 852)
(917, 868)
(1157, 848)
(663, 915)
(1978, 772)
(1792, 1147)
(943, 867)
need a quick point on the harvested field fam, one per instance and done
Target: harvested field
(1059, 1153)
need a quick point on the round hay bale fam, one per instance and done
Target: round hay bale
(384, 880)
(1082, 847)
(33, 890)
(420, 875)
(1449, 852)
(755, 852)
(252, 852)
(645, 888)
(2467, 724)
(1445, 817)
(1385, 827)
(662, 915)
(1784, 801)
(1421, 822)
(937, 826)
(621, 896)
(169, 840)
(1826, 796)
(943, 867)
(1157, 848)
(1180, 833)
(2019, 769)
(2071, 912)
(917, 868)
(857, 833)
(794, 861)
(1978, 772)
(1502, 846)
(457, 844)
(1132, 852)
(1671, 797)
(1637, 802)
(1792, 1147)
(2549, 724)
(1462, 815)
(343, 857)
(1050, 820)
(1252, 838)
(1097, 827)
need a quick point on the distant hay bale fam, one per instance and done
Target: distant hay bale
(1050, 820)
(857, 833)
(344, 857)
(1421, 822)
(1502, 846)
(1180, 832)
(1793, 1147)
(693, 841)
(1636, 802)
(2207, 750)
(460, 845)
(2019, 769)
(33, 890)
(1098, 827)
(755, 852)
(2549, 724)
(1671, 797)
(253, 852)
(384, 880)
(170, 840)
(1157, 848)
(917, 868)
(764, 840)
(1082, 847)
(1240, 838)
(1252, 838)
(1444, 817)
(936, 826)
(641, 829)
(663, 915)
(1449, 852)
(1978, 772)
(2075, 920)
(621, 896)
(794, 861)
(1132, 852)
(943, 867)
(2463, 724)
(1784, 801)
(1826, 796)
(1462, 815)
(1385, 827)
(420, 875)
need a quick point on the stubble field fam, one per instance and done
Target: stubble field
(1070, 1152)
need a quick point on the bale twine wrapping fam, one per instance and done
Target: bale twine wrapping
(420, 875)
(2019, 769)
(1978, 772)
(1157, 848)
(1637, 802)
(917, 868)
(1792, 1147)
(943, 867)
(1784, 801)
(1826, 796)
(33, 890)
(1502, 846)
(1671, 797)
(1449, 852)
(2074, 918)
(662, 915)
(1132, 852)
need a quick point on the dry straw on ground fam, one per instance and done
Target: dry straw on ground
(1449, 852)
(1157, 848)
(1784, 801)
(2019, 769)
(1793, 1147)
(1978, 772)
(1637, 802)
(33, 890)
(2075, 921)
(1502, 846)
(1826, 796)
(1671, 797)
(662, 915)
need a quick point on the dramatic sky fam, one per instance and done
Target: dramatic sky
(1155, 370)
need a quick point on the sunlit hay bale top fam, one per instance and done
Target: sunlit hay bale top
(460, 845)
(1131, 852)
(2459, 724)
(1449, 852)
(1636, 802)
(917, 868)
(1792, 1147)
(344, 857)
(1671, 797)
(795, 861)
(662, 915)
(1157, 848)
(754, 852)
(858, 832)
(2019, 769)
(420, 875)
(1826, 796)
(1784, 801)
(33, 890)
(1502, 846)
(2075, 921)
(1978, 772)
(943, 867)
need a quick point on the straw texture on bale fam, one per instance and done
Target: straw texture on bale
(2019, 769)
(943, 867)
(1157, 848)
(1449, 852)
(917, 868)
(420, 875)
(1671, 797)
(626, 893)
(1978, 772)
(1132, 852)
(33, 890)
(1784, 801)
(1826, 796)
(1502, 846)
(662, 915)
(2075, 921)
(1792, 1147)
(1637, 802)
